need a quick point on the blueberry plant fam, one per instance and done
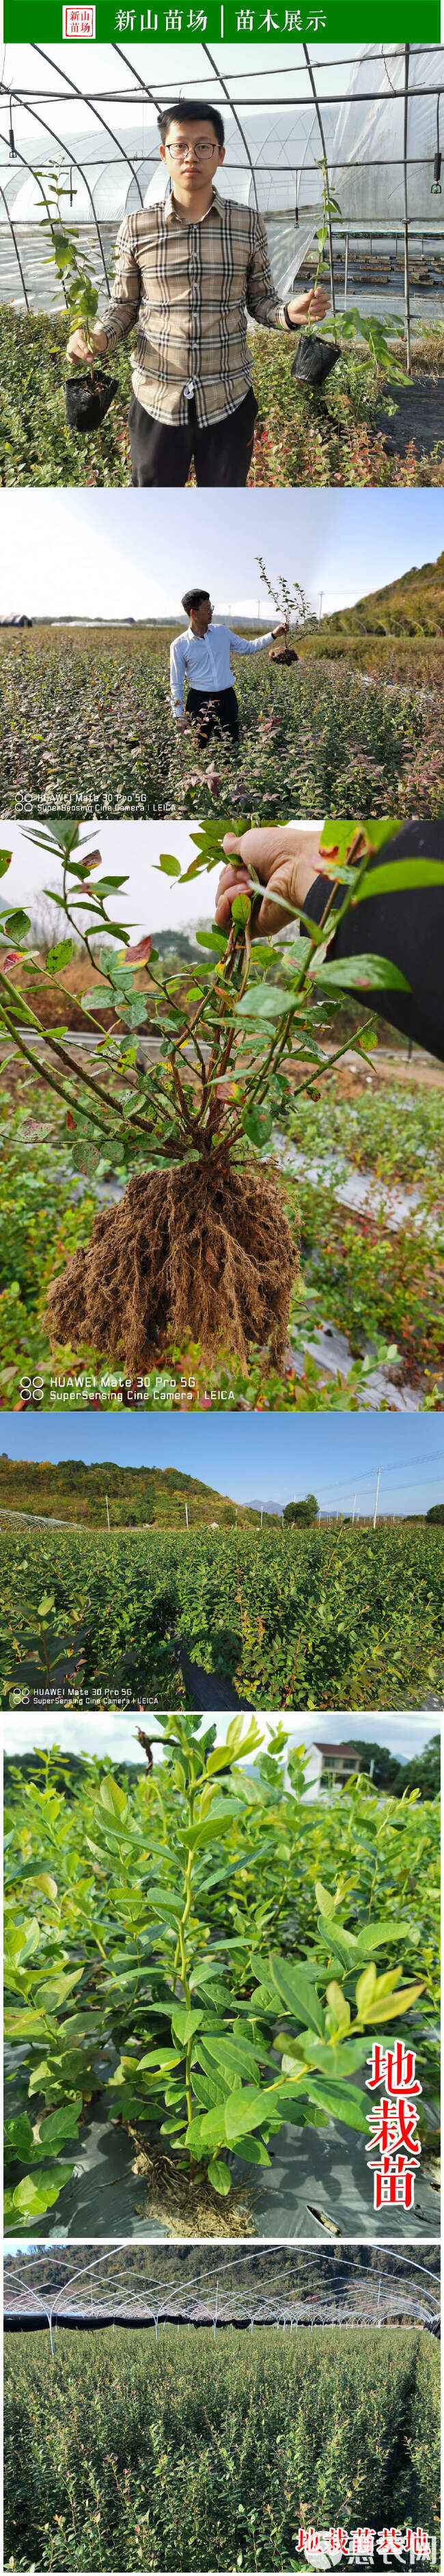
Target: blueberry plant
(80, 291)
(200, 1245)
(376, 329)
(120, 1944)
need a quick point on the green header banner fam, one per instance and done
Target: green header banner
(219, 22)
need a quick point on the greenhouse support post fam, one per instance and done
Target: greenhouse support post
(16, 247)
(406, 214)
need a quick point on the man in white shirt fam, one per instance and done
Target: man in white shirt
(205, 663)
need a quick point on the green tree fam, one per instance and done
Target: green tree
(436, 1512)
(301, 1515)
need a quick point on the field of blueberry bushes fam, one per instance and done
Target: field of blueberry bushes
(121, 2453)
(323, 1618)
(86, 728)
(299, 438)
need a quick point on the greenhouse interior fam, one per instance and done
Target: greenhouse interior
(371, 119)
(271, 2286)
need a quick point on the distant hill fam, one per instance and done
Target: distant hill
(136, 1495)
(414, 605)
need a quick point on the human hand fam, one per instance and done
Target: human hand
(286, 859)
(78, 347)
(308, 308)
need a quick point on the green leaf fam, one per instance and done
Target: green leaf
(59, 956)
(184, 2023)
(169, 867)
(17, 925)
(112, 1798)
(206, 2130)
(400, 876)
(399, 2003)
(373, 1936)
(297, 1993)
(257, 1125)
(365, 1988)
(262, 1002)
(248, 2110)
(61, 2124)
(324, 1900)
(376, 973)
(5, 861)
(55, 1990)
(252, 2151)
(342, 2102)
(233, 2054)
(219, 2176)
(241, 908)
(32, 2197)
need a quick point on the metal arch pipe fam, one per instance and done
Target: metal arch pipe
(101, 120)
(406, 212)
(233, 111)
(76, 165)
(147, 92)
(324, 155)
(16, 247)
(33, 174)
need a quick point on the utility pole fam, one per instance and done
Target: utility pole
(107, 1512)
(354, 1508)
(321, 595)
(376, 1501)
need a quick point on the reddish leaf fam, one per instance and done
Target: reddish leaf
(138, 956)
(94, 861)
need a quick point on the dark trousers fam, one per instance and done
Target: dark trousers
(213, 711)
(161, 454)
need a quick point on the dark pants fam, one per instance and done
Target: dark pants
(213, 711)
(161, 454)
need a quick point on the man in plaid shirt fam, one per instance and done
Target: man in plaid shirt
(188, 272)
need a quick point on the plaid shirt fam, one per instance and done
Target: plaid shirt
(187, 286)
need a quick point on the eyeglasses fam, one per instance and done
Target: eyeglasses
(191, 151)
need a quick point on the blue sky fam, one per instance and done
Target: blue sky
(255, 1456)
(114, 554)
(104, 1733)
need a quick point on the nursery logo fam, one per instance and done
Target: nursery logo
(79, 23)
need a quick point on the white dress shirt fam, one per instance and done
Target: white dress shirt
(204, 660)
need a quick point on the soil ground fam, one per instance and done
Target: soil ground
(419, 416)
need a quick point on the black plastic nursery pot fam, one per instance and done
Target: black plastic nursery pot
(87, 400)
(314, 359)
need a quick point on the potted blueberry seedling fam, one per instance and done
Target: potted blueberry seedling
(87, 396)
(316, 354)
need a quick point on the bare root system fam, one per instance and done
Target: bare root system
(202, 1252)
(186, 2204)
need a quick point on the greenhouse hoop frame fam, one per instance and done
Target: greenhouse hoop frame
(207, 2302)
(396, 92)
